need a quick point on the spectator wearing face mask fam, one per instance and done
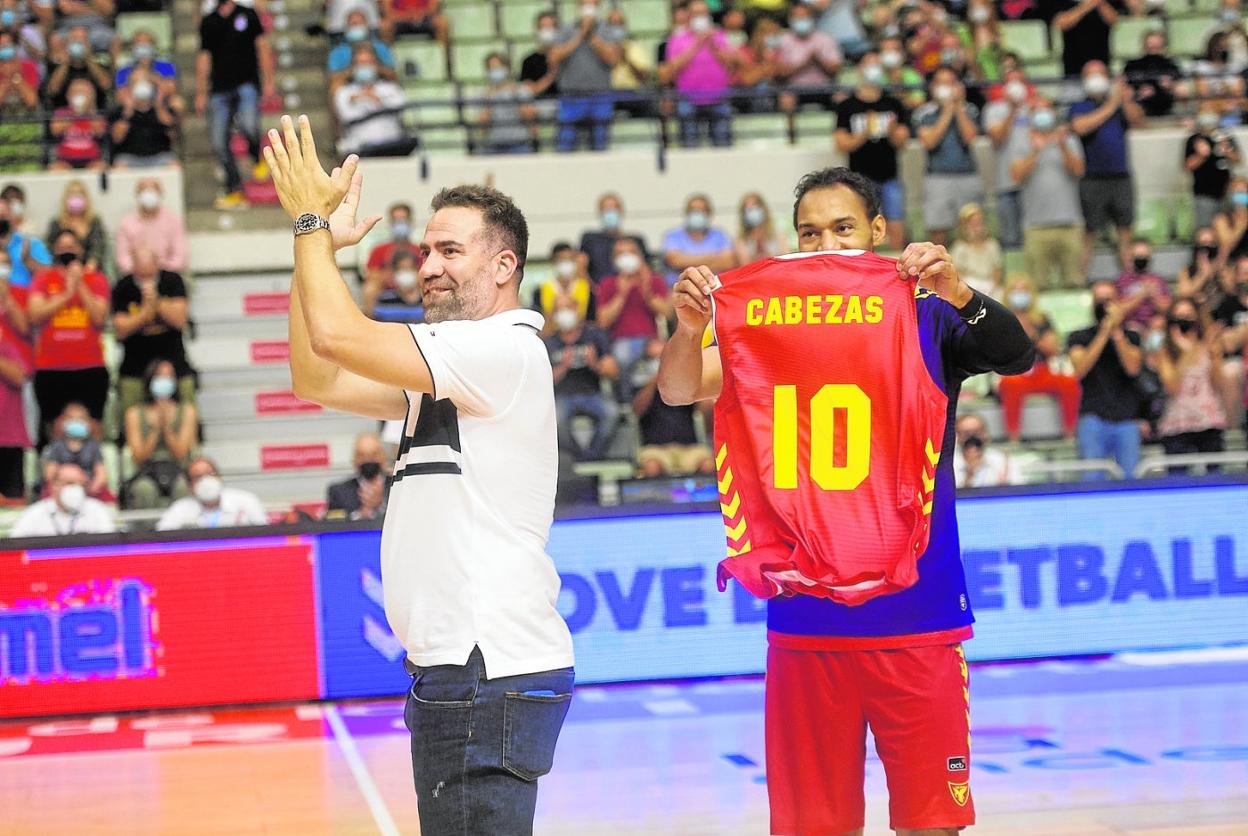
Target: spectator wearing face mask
(1195, 277)
(570, 281)
(14, 198)
(1230, 225)
(402, 301)
(757, 64)
(150, 313)
(1085, 27)
(757, 237)
(71, 59)
(1046, 376)
(580, 355)
(902, 79)
(28, 34)
(154, 227)
(839, 19)
(1107, 360)
(976, 254)
(77, 215)
(1210, 155)
(808, 60)
(212, 504)
(15, 371)
(1189, 363)
(870, 130)
(599, 244)
(93, 16)
(1154, 75)
(143, 125)
(635, 71)
(1007, 122)
(74, 442)
(508, 118)
(19, 82)
(1218, 82)
(583, 57)
(363, 496)
(947, 125)
(69, 307)
(145, 56)
(1139, 280)
(367, 108)
(1102, 122)
(1047, 172)
(379, 270)
(79, 130)
(669, 441)
(338, 13)
(629, 305)
(27, 254)
(697, 241)
(356, 33)
(536, 70)
(161, 433)
(67, 510)
(700, 65)
(976, 463)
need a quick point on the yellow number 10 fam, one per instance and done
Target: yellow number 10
(823, 406)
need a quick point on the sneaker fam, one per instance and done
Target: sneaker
(233, 200)
(260, 171)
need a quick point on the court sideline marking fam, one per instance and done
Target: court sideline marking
(376, 805)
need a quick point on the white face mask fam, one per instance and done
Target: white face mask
(208, 489)
(700, 24)
(17, 209)
(149, 199)
(546, 36)
(71, 497)
(891, 59)
(628, 263)
(78, 102)
(405, 279)
(144, 90)
(589, 10)
(565, 268)
(980, 14)
(5, 272)
(942, 93)
(566, 319)
(1096, 85)
(1015, 91)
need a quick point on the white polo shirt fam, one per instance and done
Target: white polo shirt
(463, 546)
(46, 519)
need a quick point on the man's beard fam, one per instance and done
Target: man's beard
(465, 300)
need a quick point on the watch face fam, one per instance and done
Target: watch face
(307, 223)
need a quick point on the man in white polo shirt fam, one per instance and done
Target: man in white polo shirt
(469, 588)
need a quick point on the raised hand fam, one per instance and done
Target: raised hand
(342, 225)
(302, 185)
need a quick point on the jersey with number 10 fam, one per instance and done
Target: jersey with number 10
(827, 429)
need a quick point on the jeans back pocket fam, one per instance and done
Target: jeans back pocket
(531, 725)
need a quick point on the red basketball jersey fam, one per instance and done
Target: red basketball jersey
(827, 429)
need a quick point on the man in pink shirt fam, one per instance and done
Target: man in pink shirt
(700, 63)
(151, 227)
(807, 61)
(630, 302)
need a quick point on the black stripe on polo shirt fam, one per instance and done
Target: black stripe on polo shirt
(427, 468)
(437, 424)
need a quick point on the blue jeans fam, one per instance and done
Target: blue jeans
(604, 413)
(577, 112)
(1009, 219)
(717, 116)
(1117, 440)
(892, 200)
(479, 745)
(242, 105)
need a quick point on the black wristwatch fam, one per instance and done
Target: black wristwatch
(307, 222)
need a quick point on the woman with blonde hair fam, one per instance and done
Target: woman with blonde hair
(975, 253)
(1046, 377)
(1189, 362)
(756, 238)
(77, 216)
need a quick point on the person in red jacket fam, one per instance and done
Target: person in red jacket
(68, 306)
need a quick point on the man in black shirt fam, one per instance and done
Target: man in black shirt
(1210, 155)
(580, 354)
(1107, 361)
(537, 71)
(1153, 75)
(669, 443)
(150, 312)
(1085, 26)
(599, 244)
(235, 53)
(871, 126)
(143, 124)
(363, 496)
(71, 58)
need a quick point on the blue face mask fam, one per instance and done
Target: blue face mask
(143, 52)
(364, 74)
(611, 218)
(802, 26)
(77, 429)
(697, 220)
(1239, 198)
(77, 49)
(163, 387)
(7, 18)
(357, 33)
(7, 53)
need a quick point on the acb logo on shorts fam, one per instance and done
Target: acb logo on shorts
(957, 764)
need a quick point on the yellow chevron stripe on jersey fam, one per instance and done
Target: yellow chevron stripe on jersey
(721, 456)
(730, 510)
(738, 552)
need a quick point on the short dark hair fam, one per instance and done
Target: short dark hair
(74, 235)
(546, 13)
(827, 178)
(406, 207)
(559, 247)
(502, 219)
(11, 191)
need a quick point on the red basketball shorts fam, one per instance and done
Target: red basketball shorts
(819, 705)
